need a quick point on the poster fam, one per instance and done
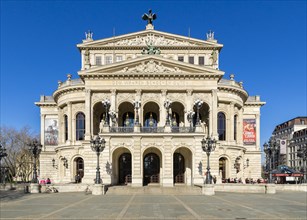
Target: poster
(249, 131)
(51, 131)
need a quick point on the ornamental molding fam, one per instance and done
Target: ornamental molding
(152, 39)
(96, 97)
(151, 97)
(125, 97)
(151, 67)
(78, 107)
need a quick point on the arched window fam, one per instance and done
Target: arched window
(221, 126)
(235, 121)
(66, 127)
(80, 126)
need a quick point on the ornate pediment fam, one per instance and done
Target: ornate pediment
(151, 39)
(151, 66)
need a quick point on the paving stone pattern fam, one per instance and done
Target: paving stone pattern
(283, 205)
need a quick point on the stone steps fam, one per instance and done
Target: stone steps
(176, 190)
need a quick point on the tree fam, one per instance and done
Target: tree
(18, 161)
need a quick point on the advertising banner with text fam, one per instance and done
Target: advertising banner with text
(249, 131)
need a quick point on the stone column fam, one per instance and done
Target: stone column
(137, 179)
(230, 124)
(213, 112)
(167, 163)
(113, 100)
(163, 112)
(60, 126)
(69, 119)
(43, 129)
(240, 127)
(257, 131)
(88, 111)
(189, 104)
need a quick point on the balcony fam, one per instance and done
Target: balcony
(155, 130)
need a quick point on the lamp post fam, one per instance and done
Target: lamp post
(137, 105)
(208, 145)
(98, 145)
(106, 103)
(198, 103)
(167, 105)
(269, 150)
(302, 153)
(35, 148)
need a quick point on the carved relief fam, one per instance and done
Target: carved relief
(146, 97)
(125, 97)
(96, 97)
(151, 67)
(204, 97)
(155, 40)
(179, 97)
(78, 107)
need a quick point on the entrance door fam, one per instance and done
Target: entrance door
(124, 162)
(222, 167)
(178, 168)
(151, 168)
(80, 167)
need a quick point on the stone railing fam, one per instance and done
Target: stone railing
(152, 130)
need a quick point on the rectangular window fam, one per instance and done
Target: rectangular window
(119, 58)
(108, 59)
(191, 60)
(180, 58)
(98, 61)
(201, 61)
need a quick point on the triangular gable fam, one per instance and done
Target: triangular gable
(142, 38)
(151, 65)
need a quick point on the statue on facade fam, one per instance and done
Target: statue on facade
(101, 124)
(151, 49)
(89, 35)
(214, 57)
(87, 56)
(149, 17)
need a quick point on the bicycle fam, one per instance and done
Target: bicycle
(50, 189)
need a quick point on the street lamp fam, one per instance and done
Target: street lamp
(137, 105)
(167, 105)
(269, 150)
(198, 103)
(302, 153)
(106, 103)
(98, 145)
(35, 148)
(208, 145)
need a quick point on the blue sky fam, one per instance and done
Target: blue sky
(264, 46)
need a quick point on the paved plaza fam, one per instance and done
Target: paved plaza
(283, 205)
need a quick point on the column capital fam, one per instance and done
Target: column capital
(189, 91)
(164, 91)
(113, 91)
(138, 91)
(87, 91)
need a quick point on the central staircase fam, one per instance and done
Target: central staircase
(154, 190)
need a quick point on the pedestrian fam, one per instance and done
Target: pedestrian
(48, 181)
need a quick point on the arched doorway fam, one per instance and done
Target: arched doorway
(124, 169)
(222, 167)
(178, 168)
(151, 115)
(79, 169)
(151, 169)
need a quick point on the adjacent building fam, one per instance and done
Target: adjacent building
(290, 136)
(153, 96)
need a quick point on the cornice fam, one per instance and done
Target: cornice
(258, 104)
(235, 90)
(66, 90)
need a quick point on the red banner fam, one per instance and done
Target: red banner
(249, 131)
